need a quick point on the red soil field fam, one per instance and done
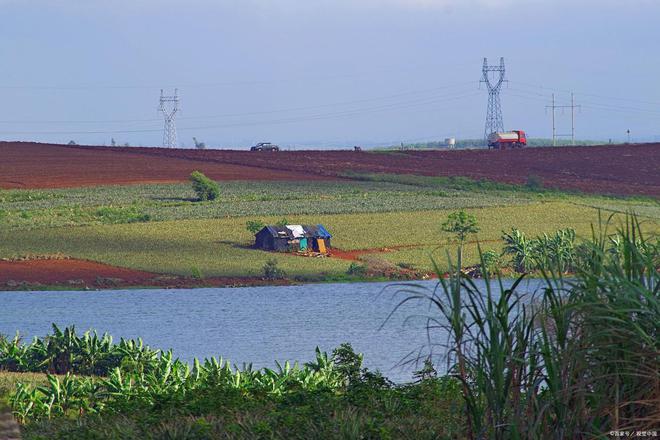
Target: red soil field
(63, 271)
(80, 274)
(606, 169)
(31, 165)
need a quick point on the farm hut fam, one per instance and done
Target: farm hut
(293, 238)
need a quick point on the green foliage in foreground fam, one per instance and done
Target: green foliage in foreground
(577, 360)
(146, 393)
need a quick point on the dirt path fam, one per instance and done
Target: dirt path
(354, 255)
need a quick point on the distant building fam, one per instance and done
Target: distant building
(293, 238)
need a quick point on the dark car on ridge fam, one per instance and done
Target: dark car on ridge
(265, 146)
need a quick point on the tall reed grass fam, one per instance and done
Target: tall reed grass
(578, 359)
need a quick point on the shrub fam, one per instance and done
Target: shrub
(112, 215)
(254, 226)
(348, 362)
(205, 188)
(196, 273)
(283, 222)
(427, 372)
(272, 272)
(404, 265)
(357, 269)
(534, 182)
(490, 261)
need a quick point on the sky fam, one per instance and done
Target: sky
(324, 73)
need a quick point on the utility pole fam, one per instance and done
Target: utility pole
(554, 132)
(554, 107)
(572, 120)
(494, 121)
(169, 106)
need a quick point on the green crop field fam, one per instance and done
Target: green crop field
(161, 228)
(121, 204)
(221, 246)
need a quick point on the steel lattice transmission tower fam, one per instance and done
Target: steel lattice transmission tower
(493, 77)
(169, 106)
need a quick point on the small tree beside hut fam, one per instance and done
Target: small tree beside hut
(461, 224)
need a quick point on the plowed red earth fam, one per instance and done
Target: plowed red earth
(72, 273)
(30, 165)
(607, 169)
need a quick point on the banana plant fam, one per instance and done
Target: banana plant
(135, 356)
(61, 349)
(26, 402)
(94, 353)
(13, 355)
(519, 249)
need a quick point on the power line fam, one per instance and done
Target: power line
(320, 116)
(584, 104)
(397, 68)
(587, 94)
(230, 115)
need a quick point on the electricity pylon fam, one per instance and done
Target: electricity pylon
(169, 106)
(494, 84)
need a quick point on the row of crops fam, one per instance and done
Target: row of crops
(83, 206)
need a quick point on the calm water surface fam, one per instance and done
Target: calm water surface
(250, 324)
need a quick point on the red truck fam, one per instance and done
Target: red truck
(507, 139)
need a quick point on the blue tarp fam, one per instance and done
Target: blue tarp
(322, 232)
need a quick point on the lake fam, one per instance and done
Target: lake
(248, 324)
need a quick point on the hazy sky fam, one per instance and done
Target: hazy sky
(323, 72)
